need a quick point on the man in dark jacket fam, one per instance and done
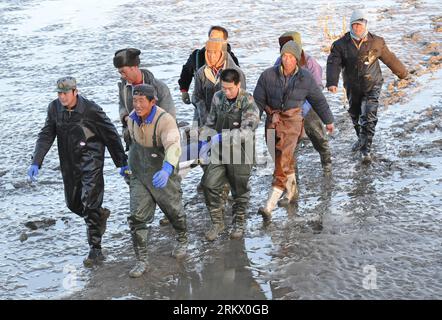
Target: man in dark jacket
(313, 126)
(197, 59)
(280, 92)
(358, 53)
(83, 131)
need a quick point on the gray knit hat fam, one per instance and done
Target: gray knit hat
(358, 16)
(293, 48)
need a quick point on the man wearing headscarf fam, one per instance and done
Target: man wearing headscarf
(358, 53)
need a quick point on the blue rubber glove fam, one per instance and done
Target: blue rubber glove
(33, 172)
(306, 108)
(125, 171)
(204, 152)
(161, 177)
(216, 138)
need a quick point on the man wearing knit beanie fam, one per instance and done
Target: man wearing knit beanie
(280, 92)
(292, 48)
(357, 54)
(313, 126)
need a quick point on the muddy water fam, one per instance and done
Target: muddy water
(366, 232)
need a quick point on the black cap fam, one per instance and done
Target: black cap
(128, 57)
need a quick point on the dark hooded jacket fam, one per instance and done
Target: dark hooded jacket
(360, 68)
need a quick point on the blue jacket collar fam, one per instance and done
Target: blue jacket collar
(149, 118)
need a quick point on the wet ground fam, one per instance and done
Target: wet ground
(366, 232)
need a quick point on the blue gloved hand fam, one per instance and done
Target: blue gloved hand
(125, 171)
(306, 108)
(204, 152)
(33, 172)
(161, 177)
(216, 138)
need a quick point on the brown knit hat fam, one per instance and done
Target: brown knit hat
(290, 35)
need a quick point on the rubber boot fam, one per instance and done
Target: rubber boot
(292, 192)
(365, 157)
(326, 163)
(140, 248)
(365, 146)
(164, 221)
(217, 224)
(180, 249)
(356, 146)
(266, 211)
(95, 257)
(239, 226)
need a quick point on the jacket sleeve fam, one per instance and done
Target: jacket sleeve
(46, 137)
(122, 104)
(392, 62)
(211, 117)
(318, 102)
(198, 99)
(334, 66)
(170, 139)
(259, 94)
(316, 71)
(243, 79)
(165, 100)
(187, 72)
(249, 119)
(109, 135)
(234, 58)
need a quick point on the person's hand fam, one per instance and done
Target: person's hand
(161, 177)
(204, 152)
(217, 138)
(185, 97)
(332, 89)
(33, 172)
(125, 171)
(330, 128)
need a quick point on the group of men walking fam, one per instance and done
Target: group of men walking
(225, 118)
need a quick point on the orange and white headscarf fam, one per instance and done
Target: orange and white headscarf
(216, 44)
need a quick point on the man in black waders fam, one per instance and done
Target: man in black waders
(231, 124)
(83, 131)
(357, 54)
(153, 161)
